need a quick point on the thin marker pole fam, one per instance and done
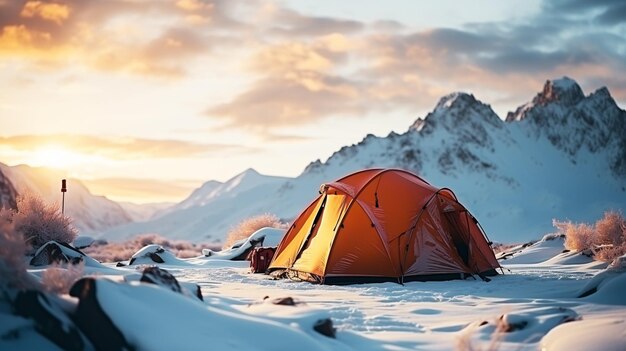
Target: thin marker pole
(63, 191)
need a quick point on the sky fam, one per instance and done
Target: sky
(145, 100)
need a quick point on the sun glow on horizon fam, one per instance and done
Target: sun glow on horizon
(54, 156)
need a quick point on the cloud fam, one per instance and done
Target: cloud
(300, 86)
(120, 148)
(308, 68)
(56, 13)
(605, 12)
(294, 100)
(289, 23)
(109, 35)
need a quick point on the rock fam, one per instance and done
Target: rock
(325, 327)
(163, 278)
(8, 194)
(83, 241)
(199, 293)
(160, 277)
(56, 252)
(284, 301)
(152, 254)
(92, 319)
(50, 320)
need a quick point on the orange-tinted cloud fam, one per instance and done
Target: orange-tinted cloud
(120, 148)
(106, 35)
(54, 12)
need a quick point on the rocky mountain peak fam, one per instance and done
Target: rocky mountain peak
(456, 100)
(457, 111)
(564, 91)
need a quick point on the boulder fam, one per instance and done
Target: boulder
(93, 320)
(56, 252)
(50, 319)
(163, 278)
(151, 254)
(160, 277)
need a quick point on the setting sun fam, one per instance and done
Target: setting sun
(56, 157)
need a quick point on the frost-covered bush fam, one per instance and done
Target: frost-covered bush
(250, 225)
(39, 222)
(12, 250)
(606, 238)
(59, 278)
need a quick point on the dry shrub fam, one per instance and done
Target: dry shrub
(610, 229)
(606, 238)
(115, 252)
(39, 222)
(578, 236)
(12, 250)
(250, 225)
(59, 278)
(608, 254)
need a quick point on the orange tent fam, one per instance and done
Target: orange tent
(383, 225)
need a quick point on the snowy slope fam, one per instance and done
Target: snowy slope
(144, 212)
(562, 155)
(90, 214)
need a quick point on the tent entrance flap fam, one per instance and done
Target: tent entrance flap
(460, 237)
(314, 254)
(312, 229)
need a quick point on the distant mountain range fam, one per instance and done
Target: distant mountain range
(562, 155)
(90, 214)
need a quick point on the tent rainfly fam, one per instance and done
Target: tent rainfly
(380, 225)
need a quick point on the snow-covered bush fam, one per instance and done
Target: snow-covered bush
(59, 278)
(606, 238)
(39, 222)
(250, 225)
(12, 250)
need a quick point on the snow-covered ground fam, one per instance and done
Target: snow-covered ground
(448, 315)
(536, 304)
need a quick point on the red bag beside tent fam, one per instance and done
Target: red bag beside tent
(260, 258)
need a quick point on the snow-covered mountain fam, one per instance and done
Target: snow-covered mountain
(562, 155)
(90, 214)
(213, 190)
(144, 212)
(209, 212)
